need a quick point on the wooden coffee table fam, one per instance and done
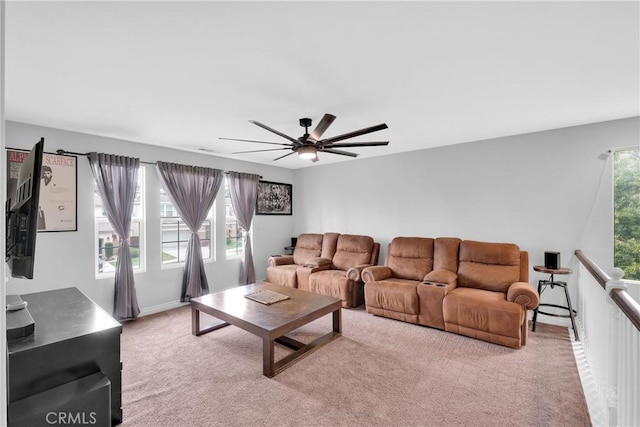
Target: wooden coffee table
(269, 322)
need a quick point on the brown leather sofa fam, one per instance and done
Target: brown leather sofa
(477, 289)
(282, 269)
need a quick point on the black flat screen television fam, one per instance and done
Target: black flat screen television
(21, 211)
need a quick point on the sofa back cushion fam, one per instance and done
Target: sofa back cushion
(352, 250)
(445, 253)
(309, 245)
(329, 244)
(410, 257)
(489, 266)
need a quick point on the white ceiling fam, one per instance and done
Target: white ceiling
(182, 74)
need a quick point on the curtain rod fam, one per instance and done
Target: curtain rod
(613, 150)
(86, 154)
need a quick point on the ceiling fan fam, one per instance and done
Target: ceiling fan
(308, 145)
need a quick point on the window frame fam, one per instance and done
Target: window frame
(615, 218)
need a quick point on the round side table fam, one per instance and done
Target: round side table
(551, 282)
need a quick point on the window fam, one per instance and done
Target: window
(626, 212)
(233, 232)
(175, 233)
(107, 242)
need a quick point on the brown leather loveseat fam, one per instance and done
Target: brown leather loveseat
(282, 269)
(340, 276)
(335, 270)
(477, 289)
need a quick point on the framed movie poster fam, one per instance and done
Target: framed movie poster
(58, 189)
(274, 198)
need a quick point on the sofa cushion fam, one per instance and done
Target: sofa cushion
(393, 298)
(410, 257)
(483, 314)
(329, 243)
(309, 245)
(352, 250)
(489, 266)
(445, 253)
(283, 275)
(333, 283)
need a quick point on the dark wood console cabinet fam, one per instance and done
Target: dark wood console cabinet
(71, 361)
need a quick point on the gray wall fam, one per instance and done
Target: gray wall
(67, 258)
(543, 191)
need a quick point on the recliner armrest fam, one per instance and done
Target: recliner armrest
(317, 262)
(524, 294)
(304, 272)
(355, 273)
(280, 260)
(375, 273)
(441, 276)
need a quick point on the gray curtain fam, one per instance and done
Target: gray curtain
(117, 179)
(192, 191)
(243, 188)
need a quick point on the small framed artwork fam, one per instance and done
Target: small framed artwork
(58, 189)
(274, 198)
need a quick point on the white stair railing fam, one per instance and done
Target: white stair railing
(610, 330)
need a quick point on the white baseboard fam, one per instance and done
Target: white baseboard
(161, 307)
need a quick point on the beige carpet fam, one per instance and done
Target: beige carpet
(381, 372)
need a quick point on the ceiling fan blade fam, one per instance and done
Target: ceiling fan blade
(355, 133)
(342, 153)
(282, 157)
(357, 144)
(273, 130)
(322, 126)
(260, 151)
(260, 142)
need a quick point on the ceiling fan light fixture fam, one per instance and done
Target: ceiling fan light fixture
(308, 145)
(307, 153)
